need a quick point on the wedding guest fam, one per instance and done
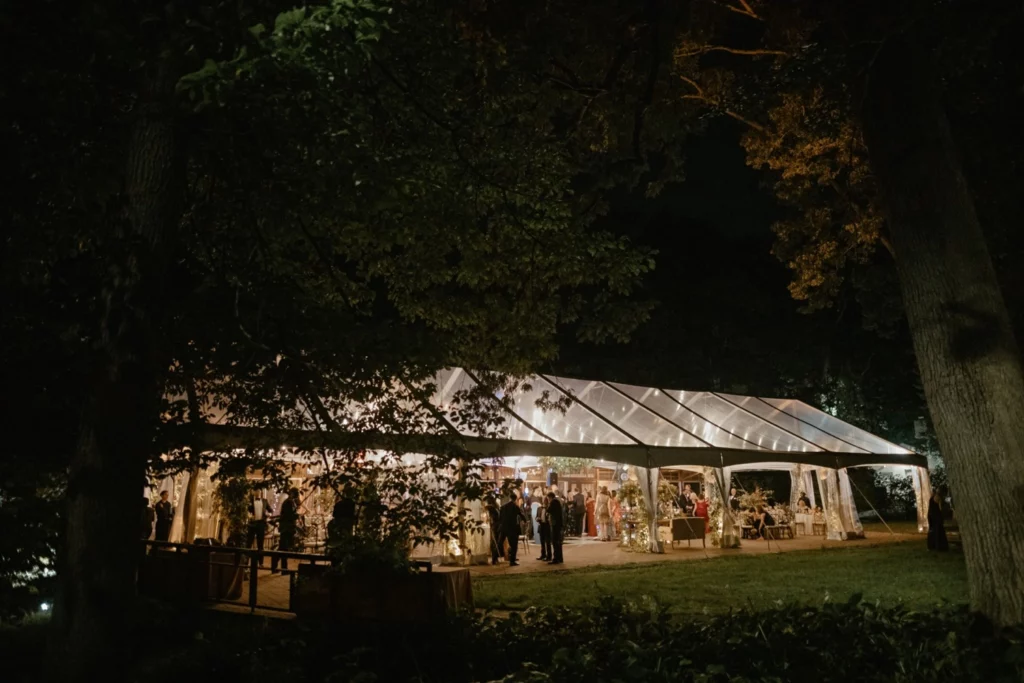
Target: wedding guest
(804, 500)
(259, 513)
(164, 517)
(544, 527)
(604, 514)
(148, 517)
(701, 510)
(762, 521)
(510, 517)
(535, 505)
(557, 517)
(493, 519)
(591, 517)
(615, 508)
(579, 511)
(936, 524)
(734, 500)
(687, 503)
(288, 522)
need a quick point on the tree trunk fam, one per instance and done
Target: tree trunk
(116, 434)
(968, 357)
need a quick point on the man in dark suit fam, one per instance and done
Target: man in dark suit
(164, 517)
(557, 527)
(510, 517)
(494, 521)
(579, 510)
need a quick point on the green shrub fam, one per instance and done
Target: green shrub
(617, 641)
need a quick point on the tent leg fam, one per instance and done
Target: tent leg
(715, 483)
(829, 482)
(922, 494)
(648, 477)
(848, 507)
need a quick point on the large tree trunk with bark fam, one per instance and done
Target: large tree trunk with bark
(969, 360)
(116, 434)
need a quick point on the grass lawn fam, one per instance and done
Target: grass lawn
(900, 573)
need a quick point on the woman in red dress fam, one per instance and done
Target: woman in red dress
(701, 510)
(591, 524)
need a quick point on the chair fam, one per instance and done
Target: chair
(688, 529)
(525, 540)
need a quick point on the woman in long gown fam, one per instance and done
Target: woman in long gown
(701, 510)
(591, 526)
(615, 508)
(936, 529)
(604, 514)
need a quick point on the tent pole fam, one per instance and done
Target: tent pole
(891, 532)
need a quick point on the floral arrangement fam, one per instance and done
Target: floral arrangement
(632, 496)
(751, 499)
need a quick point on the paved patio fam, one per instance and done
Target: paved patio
(272, 589)
(592, 552)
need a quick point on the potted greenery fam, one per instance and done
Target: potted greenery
(371, 577)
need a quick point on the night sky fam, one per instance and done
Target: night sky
(723, 306)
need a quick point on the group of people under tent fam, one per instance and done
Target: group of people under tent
(289, 520)
(548, 516)
(160, 516)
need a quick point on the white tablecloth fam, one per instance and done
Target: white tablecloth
(804, 524)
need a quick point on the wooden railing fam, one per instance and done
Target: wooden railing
(249, 561)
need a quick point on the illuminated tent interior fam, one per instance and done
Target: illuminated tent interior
(653, 428)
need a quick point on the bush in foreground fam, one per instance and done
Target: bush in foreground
(614, 641)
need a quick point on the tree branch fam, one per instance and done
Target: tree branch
(731, 50)
(699, 96)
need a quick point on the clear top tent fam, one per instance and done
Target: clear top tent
(649, 428)
(653, 427)
(716, 433)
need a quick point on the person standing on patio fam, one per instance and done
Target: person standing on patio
(148, 517)
(288, 528)
(701, 510)
(936, 525)
(494, 520)
(734, 500)
(544, 529)
(164, 517)
(615, 508)
(604, 514)
(555, 514)
(591, 517)
(579, 512)
(535, 506)
(511, 516)
(259, 511)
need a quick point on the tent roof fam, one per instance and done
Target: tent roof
(626, 423)
(619, 423)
